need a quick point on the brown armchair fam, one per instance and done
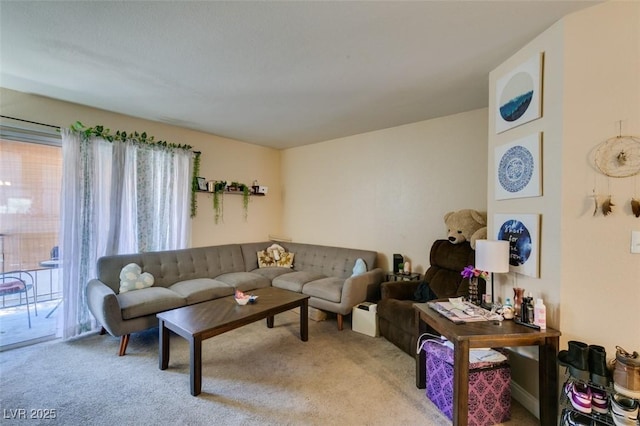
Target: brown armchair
(396, 317)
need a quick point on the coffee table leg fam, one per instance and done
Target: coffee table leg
(195, 354)
(304, 320)
(164, 346)
(270, 321)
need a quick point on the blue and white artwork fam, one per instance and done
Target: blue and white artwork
(522, 233)
(518, 95)
(518, 168)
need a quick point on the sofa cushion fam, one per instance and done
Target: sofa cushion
(326, 288)
(294, 281)
(132, 278)
(271, 272)
(244, 280)
(202, 289)
(151, 300)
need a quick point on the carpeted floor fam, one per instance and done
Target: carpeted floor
(252, 375)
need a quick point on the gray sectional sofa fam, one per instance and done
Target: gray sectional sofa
(188, 276)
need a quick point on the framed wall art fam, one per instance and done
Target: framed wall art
(518, 168)
(519, 94)
(523, 233)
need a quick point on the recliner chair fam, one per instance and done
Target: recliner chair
(396, 316)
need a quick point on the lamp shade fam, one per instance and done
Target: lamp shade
(492, 256)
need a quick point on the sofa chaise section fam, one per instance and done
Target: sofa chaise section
(325, 273)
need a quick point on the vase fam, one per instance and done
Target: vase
(518, 295)
(474, 297)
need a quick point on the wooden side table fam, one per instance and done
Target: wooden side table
(490, 334)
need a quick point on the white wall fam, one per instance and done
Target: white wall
(588, 278)
(222, 159)
(600, 277)
(387, 190)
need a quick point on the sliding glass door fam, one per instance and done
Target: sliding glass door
(30, 183)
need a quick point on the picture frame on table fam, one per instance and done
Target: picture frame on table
(518, 168)
(522, 231)
(519, 94)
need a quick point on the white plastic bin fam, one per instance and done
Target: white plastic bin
(364, 319)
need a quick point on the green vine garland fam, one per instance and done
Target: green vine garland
(194, 183)
(102, 132)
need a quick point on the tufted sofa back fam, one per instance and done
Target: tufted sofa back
(326, 260)
(171, 266)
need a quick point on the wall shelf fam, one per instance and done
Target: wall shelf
(251, 194)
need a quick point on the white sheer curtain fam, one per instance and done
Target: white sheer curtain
(117, 197)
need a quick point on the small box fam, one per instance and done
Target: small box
(313, 313)
(489, 386)
(364, 319)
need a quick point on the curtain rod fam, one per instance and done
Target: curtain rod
(28, 121)
(48, 125)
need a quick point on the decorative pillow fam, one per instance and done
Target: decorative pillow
(286, 260)
(132, 278)
(265, 260)
(275, 255)
(359, 268)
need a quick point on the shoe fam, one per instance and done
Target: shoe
(598, 366)
(576, 359)
(573, 418)
(626, 373)
(624, 411)
(579, 395)
(599, 400)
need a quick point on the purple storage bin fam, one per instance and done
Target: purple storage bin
(489, 386)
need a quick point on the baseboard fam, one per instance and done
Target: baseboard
(528, 401)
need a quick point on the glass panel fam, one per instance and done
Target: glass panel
(30, 178)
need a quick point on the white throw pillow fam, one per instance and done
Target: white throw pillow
(359, 268)
(132, 278)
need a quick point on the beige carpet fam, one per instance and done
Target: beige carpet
(252, 375)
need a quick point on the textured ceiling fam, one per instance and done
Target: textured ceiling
(277, 74)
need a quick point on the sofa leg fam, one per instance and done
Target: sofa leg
(340, 322)
(124, 341)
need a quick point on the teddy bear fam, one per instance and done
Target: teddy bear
(466, 225)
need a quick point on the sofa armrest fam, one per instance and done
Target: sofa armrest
(401, 290)
(354, 290)
(104, 306)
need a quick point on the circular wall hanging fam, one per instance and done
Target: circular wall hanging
(515, 168)
(516, 96)
(519, 239)
(619, 156)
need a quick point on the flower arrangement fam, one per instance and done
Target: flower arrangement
(470, 271)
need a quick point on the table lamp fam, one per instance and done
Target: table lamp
(492, 256)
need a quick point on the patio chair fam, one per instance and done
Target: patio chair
(18, 282)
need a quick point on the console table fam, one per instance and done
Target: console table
(490, 334)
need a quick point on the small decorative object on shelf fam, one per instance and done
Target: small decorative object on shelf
(401, 276)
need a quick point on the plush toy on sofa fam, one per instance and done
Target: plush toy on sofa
(466, 225)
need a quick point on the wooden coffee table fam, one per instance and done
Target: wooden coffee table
(207, 319)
